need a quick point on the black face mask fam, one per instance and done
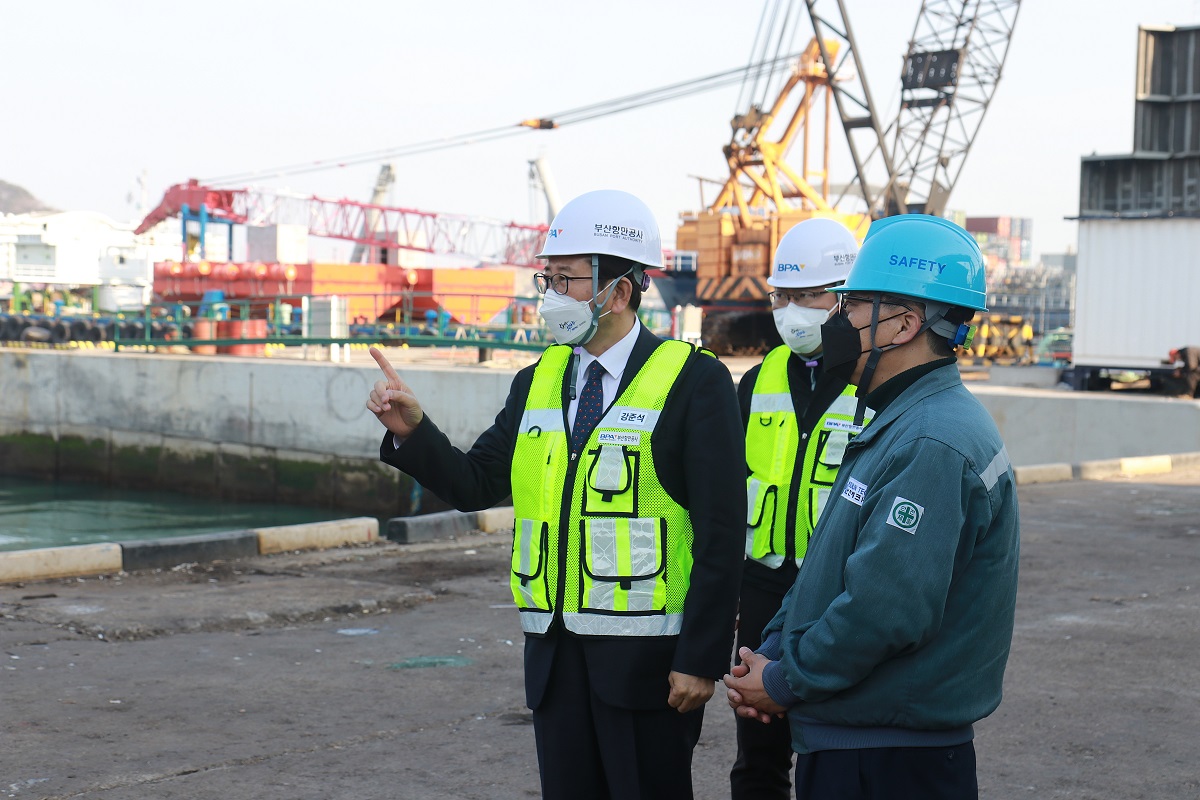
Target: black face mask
(842, 345)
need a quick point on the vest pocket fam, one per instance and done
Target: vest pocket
(623, 565)
(530, 539)
(612, 480)
(833, 449)
(762, 504)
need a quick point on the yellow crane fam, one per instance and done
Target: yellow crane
(950, 72)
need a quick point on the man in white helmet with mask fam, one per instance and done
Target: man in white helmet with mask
(798, 420)
(622, 453)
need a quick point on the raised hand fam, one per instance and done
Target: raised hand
(391, 401)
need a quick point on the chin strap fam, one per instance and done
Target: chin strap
(860, 412)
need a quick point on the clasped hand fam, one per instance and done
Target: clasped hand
(745, 691)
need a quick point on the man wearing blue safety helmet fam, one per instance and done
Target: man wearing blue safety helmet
(798, 421)
(623, 454)
(894, 638)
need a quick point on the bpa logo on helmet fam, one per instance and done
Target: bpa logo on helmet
(554, 232)
(782, 267)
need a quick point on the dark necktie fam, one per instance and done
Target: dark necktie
(591, 408)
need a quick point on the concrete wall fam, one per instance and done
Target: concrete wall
(241, 428)
(295, 431)
(1042, 426)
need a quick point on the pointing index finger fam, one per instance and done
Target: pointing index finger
(384, 364)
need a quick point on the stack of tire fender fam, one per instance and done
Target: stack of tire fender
(60, 330)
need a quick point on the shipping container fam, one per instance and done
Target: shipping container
(1136, 293)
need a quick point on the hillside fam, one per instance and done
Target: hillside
(16, 200)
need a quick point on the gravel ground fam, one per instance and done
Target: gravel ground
(387, 671)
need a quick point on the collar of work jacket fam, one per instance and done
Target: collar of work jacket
(938, 380)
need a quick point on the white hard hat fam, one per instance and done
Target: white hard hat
(605, 222)
(816, 252)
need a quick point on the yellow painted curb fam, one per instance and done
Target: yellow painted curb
(317, 535)
(492, 520)
(1042, 473)
(1145, 465)
(59, 562)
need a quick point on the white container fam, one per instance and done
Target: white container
(1137, 294)
(282, 244)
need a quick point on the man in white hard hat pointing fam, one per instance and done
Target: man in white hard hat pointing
(623, 454)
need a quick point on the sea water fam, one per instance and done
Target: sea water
(37, 514)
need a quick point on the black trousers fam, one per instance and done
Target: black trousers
(590, 750)
(888, 773)
(764, 752)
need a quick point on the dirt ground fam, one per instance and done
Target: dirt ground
(387, 671)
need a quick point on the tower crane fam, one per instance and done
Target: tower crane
(911, 164)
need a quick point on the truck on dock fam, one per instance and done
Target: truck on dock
(1136, 298)
(1137, 286)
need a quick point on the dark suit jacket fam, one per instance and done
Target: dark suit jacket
(699, 450)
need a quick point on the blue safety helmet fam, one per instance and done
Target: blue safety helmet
(927, 258)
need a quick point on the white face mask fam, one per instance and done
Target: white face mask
(572, 321)
(800, 327)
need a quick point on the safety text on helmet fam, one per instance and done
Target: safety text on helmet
(912, 262)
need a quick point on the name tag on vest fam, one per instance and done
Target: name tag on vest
(842, 425)
(631, 439)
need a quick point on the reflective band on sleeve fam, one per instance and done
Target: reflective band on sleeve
(770, 403)
(617, 625)
(998, 467)
(542, 419)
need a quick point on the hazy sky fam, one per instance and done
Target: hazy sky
(98, 92)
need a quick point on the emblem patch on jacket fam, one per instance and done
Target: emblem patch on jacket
(905, 515)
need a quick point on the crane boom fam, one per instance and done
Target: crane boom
(951, 70)
(847, 80)
(369, 224)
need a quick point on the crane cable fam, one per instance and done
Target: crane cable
(569, 117)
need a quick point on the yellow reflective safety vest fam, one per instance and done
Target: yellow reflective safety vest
(598, 541)
(777, 483)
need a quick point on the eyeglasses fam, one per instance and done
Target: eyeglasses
(798, 297)
(846, 302)
(559, 282)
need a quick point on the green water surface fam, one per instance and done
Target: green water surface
(53, 514)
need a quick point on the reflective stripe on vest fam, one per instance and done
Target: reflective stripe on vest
(772, 441)
(620, 558)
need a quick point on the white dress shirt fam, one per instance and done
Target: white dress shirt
(613, 360)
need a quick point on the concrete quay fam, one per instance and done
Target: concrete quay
(382, 670)
(291, 431)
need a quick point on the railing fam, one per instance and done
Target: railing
(412, 318)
